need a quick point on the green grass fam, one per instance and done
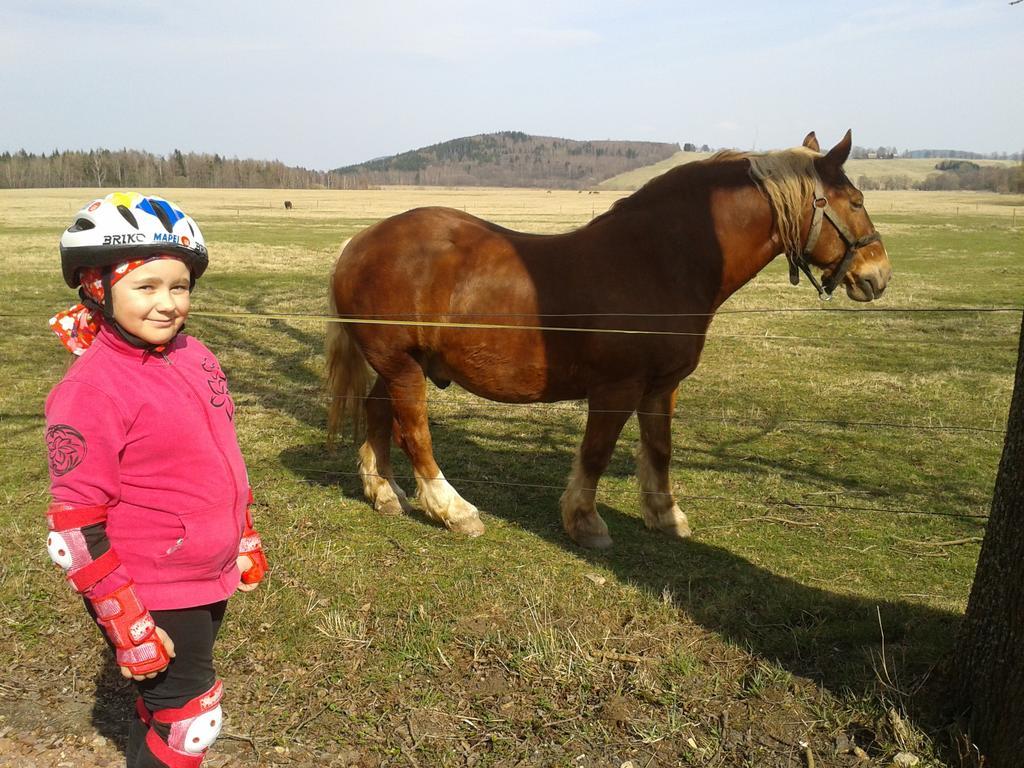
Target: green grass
(391, 637)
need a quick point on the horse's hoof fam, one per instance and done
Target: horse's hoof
(403, 501)
(391, 500)
(390, 507)
(680, 530)
(588, 530)
(671, 522)
(468, 526)
(597, 541)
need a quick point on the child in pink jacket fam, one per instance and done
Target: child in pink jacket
(150, 513)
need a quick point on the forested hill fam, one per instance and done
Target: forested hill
(509, 159)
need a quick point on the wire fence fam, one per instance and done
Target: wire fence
(817, 340)
(802, 503)
(723, 311)
(581, 409)
(772, 504)
(989, 339)
(448, 320)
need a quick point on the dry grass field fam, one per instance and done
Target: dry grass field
(836, 462)
(913, 169)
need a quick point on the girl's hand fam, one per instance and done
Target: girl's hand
(168, 646)
(244, 563)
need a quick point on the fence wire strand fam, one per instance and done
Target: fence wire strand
(418, 321)
(721, 311)
(640, 492)
(581, 409)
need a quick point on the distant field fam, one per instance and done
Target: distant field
(837, 479)
(637, 178)
(917, 169)
(914, 169)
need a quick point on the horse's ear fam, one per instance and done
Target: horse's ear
(811, 142)
(838, 154)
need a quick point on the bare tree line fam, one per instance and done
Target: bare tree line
(134, 168)
(509, 159)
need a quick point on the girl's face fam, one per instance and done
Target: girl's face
(152, 301)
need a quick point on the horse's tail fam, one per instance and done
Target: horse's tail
(348, 377)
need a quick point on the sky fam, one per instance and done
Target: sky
(327, 84)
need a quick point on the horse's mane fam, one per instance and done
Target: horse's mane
(786, 178)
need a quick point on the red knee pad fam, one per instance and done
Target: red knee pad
(193, 728)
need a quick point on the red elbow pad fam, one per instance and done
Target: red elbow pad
(67, 545)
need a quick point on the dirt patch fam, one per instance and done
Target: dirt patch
(79, 734)
(489, 684)
(617, 712)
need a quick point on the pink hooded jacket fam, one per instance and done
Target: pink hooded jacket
(151, 435)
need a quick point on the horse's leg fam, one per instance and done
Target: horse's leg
(660, 510)
(607, 413)
(375, 469)
(441, 502)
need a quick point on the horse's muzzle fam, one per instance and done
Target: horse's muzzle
(869, 284)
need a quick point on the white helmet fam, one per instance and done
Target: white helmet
(127, 225)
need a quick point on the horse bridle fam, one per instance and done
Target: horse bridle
(798, 261)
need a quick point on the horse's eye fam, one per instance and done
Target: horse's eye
(856, 204)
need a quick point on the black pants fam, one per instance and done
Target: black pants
(190, 673)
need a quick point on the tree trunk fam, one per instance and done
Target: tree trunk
(990, 653)
(97, 166)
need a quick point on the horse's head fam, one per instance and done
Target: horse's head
(841, 240)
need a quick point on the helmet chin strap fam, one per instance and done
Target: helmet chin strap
(107, 310)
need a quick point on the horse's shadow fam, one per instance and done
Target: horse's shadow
(831, 638)
(836, 640)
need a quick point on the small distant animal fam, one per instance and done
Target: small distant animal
(287, 205)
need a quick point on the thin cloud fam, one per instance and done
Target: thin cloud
(323, 84)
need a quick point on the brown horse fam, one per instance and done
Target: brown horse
(659, 263)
